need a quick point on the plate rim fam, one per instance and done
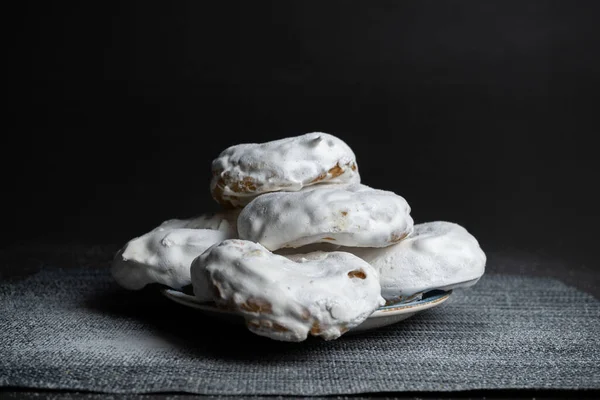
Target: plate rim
(384, 311)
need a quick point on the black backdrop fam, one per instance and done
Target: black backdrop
(478, 112)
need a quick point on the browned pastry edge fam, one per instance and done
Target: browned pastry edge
(248, 186)
(395, 238)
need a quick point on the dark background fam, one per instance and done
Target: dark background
(477, 112)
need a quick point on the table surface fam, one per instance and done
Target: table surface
(498, 394)
(21, 261)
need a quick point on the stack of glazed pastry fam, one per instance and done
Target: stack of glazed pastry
(301, 246)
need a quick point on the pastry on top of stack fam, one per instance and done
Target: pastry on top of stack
(314, 250)
(244, 171)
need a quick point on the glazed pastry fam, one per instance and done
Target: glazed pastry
(437, 255)
(357, 216)
(164, 255)
(242, 172)
(286, 300)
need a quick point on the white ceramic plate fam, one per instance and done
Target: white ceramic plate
(386, 315)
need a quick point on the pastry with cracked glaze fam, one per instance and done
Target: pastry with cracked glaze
(287, 300)
(164, 255)
(356, 216)
(244, 171)
(437, 255)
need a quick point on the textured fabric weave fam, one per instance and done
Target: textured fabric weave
(75, 329)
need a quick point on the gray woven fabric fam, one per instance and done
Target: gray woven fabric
(77, 330)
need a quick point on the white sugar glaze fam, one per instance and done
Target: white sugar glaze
(355, 215)
(243, 171)
(286, 300)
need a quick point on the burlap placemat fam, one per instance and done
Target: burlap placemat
(76, 329)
